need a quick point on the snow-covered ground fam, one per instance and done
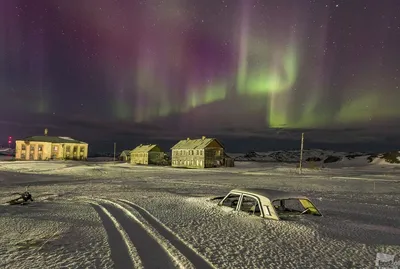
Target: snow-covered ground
(107, 215)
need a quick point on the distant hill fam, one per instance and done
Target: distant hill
(319, 157)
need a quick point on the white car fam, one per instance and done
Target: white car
(269, 204)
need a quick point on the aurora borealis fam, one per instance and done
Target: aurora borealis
(205, 66)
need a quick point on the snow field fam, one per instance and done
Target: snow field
(53, 234)
(361, 209)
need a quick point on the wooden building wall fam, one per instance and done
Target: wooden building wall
(211, 156)
(36, 151)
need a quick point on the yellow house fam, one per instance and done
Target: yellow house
(147, 154)
(198, 153)
(45, 147)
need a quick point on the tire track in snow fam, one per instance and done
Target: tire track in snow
(195, 258)
(152, 254)
(123, 252)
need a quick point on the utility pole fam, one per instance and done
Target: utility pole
(115, 148)
(301, 154)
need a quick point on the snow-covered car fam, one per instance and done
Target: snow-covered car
(269, 204)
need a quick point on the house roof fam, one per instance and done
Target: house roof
(52, 139)
(272, 195)
(126, 152)
(195, 143)
(143, 148)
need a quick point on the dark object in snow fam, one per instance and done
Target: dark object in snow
(313, 159)
(332, 159)
(24, 199)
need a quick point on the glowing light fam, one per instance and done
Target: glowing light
(176, 64)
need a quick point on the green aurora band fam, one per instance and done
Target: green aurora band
(266, 69)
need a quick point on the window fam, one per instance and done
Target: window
(40, 148)
(231, 201)
(287, 206)
(201, 152)
(23, 147)
(32, 148)
(23, 156)
(250, 205)
(68, 149)
(54, 152)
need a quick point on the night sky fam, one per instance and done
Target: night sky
(254, 73)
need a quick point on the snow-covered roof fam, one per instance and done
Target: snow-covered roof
(195, 143)
(272, 195)
(145, 148)
(126, 152)
(52, 139)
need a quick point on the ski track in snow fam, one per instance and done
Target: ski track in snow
(123, 257)
(144, 244)
(195, 258)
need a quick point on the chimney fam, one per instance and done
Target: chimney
(46, 131)
(203, 137)
(187, 139)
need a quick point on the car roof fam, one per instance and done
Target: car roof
(272, 195)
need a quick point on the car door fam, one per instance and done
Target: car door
(250, 204)
(232, 200)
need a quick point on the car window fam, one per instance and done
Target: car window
(250, 205)
(231, 201)
(287, 206)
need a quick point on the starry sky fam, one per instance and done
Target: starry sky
(254, 73)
